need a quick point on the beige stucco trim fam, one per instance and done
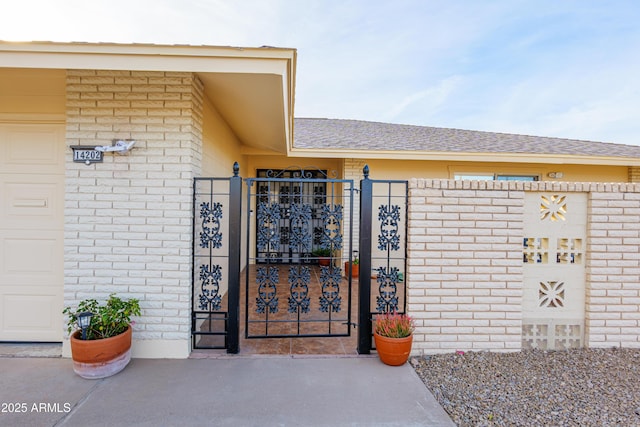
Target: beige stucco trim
(32, 118)
(165, 349)
(466, 156)
(251, 151)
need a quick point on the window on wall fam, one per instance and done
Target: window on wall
(473, 177)
(495, 177)
(516, 177)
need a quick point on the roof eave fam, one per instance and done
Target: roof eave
(150, 57)
(466, 156)
(146, 49)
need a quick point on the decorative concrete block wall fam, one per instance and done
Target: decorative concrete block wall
(128, 219)
(465, 263)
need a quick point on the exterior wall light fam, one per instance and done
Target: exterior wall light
(555, 175)
(120, 146)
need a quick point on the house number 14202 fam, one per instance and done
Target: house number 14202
(86, 155)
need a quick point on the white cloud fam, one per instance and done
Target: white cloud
(430, 100)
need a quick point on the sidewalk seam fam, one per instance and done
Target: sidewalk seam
(78, 404)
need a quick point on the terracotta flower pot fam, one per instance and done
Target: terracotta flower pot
(355, 269)
(393, 351)
(93, 359)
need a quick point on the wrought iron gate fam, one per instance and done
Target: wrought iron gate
(292, 218)
(216, 262)
(383, 252)
(299, 216)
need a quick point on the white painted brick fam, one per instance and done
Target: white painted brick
(122, 263)
(475, 307)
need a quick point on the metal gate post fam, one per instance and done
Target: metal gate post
(364, 291)
(235, 241)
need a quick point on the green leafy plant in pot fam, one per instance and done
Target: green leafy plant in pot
(393, 335)
(323, 255)
(102, 347)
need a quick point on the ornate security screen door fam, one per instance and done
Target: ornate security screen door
(297, 213)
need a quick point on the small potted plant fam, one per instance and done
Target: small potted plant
(355, 267)
(101, 347)
(393, 335)
(323, 255)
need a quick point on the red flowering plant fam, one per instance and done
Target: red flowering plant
(394, 325)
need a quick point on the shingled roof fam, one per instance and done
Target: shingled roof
(373, 136)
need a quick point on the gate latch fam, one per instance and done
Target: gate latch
(355, 325)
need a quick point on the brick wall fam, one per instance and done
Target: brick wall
(465, 263)
(128, 220)
(613, 283)
(352, 169)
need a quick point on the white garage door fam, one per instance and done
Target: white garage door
(31, 231)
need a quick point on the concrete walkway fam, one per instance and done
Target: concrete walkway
(229, 391)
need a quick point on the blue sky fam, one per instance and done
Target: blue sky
(550, 68)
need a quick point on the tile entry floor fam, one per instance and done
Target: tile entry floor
(284, 322)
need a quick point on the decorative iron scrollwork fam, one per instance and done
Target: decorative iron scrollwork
(389, 239)
(387, 300)
(297, 213)
(296, 196)
(211, 215)
(307, 172)
(210, 277)
(284, 195)
(318, 232)
(267, 278)
(284, 235)
(330, 301)
(267, 230)
(263, 194)
(300, 235)
(319, 195)
(331, 218)
(215, 260)
(299, 278)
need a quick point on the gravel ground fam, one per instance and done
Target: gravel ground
(586, 387)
